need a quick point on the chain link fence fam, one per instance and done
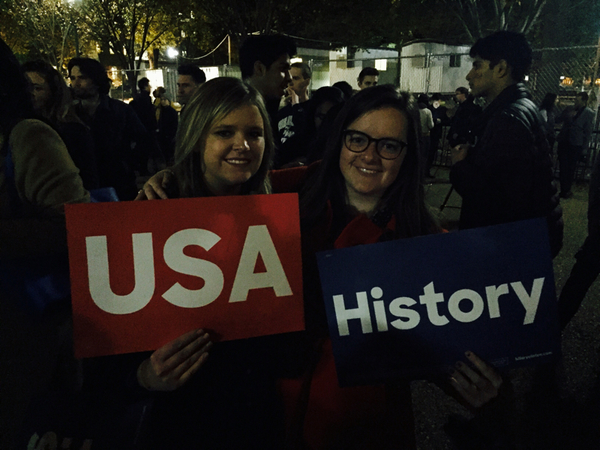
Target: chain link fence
(563, 71)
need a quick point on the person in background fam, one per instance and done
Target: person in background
(548, 113)
(52, 101)
(265, 65)
(37, 178)
(189, 79)
(121, 142)
(368, 77)
(292, 117)
(462, 122)
(308, 144)
(143, 107)
(427, 125)
(440, 119)
(345, 87)
(166, 129)
(573, 140)
(506, 175)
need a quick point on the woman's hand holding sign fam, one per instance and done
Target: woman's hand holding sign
(155, 187)
(477, 384)
(175, 363)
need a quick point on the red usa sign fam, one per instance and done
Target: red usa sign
(143, 273)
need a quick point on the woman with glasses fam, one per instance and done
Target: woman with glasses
(366, 189)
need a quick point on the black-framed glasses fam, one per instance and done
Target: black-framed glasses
(386, 148)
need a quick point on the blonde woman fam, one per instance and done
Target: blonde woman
(224, 147)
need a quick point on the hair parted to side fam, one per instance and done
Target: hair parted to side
(214, 100)
(95, 70)
(58, 109)
(405, 197)
(266, 48)
(509, 46)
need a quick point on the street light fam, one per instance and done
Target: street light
(172, 52)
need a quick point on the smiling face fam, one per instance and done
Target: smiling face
(40, 91)
(233, 150)
(367, 176)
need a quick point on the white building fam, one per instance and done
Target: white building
(431, 67)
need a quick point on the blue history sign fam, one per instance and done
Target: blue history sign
(412, 307)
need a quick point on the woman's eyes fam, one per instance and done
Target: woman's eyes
(227, 134)
(358, 140)
(224, 133)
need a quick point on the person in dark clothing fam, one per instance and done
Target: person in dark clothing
(507, 175)
(52, 101)
(167, 129)
(120, 139)
(265, 65)
(315, 110)
(440, 120)
(547, 111)
(345, 87)
(189, 79)
(573, 140)
(143, 107)
(587, 267)
(467, 111)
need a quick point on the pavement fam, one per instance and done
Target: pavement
(556, 407)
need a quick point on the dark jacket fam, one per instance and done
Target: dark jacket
(460, 129)
(507, 174)
(119, 140)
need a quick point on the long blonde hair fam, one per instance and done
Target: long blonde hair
(214, 100)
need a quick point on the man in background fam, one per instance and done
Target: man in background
(368, 77)
(189, 79)
(506, 175)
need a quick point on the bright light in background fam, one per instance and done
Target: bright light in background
(526, 77)
(381, 64)
(172, 53)
(295, 60)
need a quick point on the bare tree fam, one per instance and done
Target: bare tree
(480, 17)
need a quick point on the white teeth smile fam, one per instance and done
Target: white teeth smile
(369, 171)
(237, 161)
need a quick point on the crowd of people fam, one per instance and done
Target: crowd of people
(358, 161)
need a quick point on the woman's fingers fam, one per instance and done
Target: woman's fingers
(176, 345)
(485, 369)
(182, 349)
(478, 384)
